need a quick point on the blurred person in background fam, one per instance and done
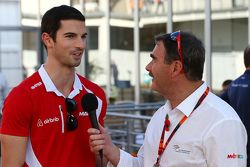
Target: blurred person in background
(195, 128)
(4, 89)
(225, 85)
(3, 93)
(43, 123)
(238, 95)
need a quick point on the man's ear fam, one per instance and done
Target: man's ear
(47, 40)
(177, 68)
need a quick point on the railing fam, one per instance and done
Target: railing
(127, 123)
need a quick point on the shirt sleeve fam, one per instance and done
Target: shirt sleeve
(128, 160)
(225, 144)
(17, 113)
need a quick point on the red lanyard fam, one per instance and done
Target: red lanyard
(162, 147)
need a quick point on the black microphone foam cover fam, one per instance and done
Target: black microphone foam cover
(89, 102)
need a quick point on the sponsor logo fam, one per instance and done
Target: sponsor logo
(40, 123)
(51, 120)
(240, 85)
(36, 85)
(234, 156)
(83, 113)
(178, 149)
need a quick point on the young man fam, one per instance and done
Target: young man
(43, 122)
(238, 95)
(195, 127)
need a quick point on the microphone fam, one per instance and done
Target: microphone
(90, 104)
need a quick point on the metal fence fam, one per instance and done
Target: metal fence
(127, 123)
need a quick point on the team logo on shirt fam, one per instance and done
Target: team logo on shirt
(239, 85)
(178, 149)
(51, 120)
(41, 123)
(234, 156)
(36, 85)
(83, 113)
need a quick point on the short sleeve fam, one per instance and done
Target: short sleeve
(17, 113)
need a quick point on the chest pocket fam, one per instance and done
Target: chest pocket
(187, 153)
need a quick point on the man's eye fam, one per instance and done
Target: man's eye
(84, 37)
(70, 36)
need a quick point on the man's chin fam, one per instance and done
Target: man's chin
(76, 64)
(153, 86)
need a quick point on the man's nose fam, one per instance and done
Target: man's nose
(148, 66)
(81, 43)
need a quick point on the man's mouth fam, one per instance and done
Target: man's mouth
(77, 54)
(151, 75)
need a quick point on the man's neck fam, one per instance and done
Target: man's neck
(182, 92)
(63, 78)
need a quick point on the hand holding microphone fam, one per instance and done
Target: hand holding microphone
(99, 141)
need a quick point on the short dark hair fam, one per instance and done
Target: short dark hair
(51, 20)
(247, 56)
(193, 53)
(227, 82)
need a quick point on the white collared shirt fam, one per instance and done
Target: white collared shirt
(50, 86)
(77, 87)
(212, 136)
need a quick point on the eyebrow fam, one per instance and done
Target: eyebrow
(85, 34)
(72, 33)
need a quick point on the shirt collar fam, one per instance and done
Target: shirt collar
(187, 105)
(50, 86)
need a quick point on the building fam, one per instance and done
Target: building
(20, 45)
